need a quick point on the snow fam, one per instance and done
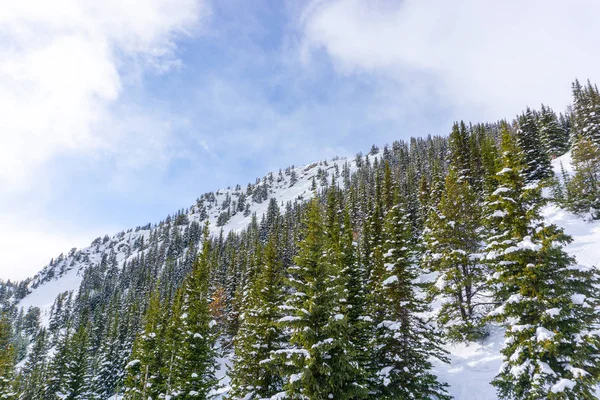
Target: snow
(562, 385)
(391, 280)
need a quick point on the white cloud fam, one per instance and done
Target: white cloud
(488, 59)
(64, 62)
(27, 246)
(65, 68)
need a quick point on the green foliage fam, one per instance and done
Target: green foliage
(7, 359)
(403, 343)
(256, 373)
(546, 303)
(452, 241)
(583, 189)
(317, 363)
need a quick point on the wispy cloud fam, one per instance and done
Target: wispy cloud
(486, 59)
(65, 67)
(63, 63)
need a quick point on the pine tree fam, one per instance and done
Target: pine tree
(7, 359)
(586, 112)
(144, 378)
(256, 374)
(355, 305)
(318, 366)
(111, 365)
(57, 369)
(554, 137)
(547, 303)
(403, 342)
(584, 187)
(451, 243)
(34, 369)
(196, 363)
(77, 377)
(459, 145)
(537, 162)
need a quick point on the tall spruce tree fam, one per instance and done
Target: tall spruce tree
(144, 377)
(78, 378)
(536, 159)
(403, 342)
(452, 244)
(196, 363)
(586, 112)
(35, 368)
(547, 303)
(256, 373)
(584, 187)
(7, 359)
(317, 363)
(554, 137)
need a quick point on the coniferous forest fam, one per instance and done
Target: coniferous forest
(352, 290)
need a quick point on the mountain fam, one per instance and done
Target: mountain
(293, 185)
(442, 267)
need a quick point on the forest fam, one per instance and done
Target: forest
(349, 290)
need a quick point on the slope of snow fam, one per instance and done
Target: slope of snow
(65, 273)
(472, 366)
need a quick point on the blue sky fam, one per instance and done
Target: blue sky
(118, 115)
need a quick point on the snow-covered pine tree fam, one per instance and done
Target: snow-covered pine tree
(317, 365)
(584, 187)
(255, 373)
(547, 303)
(586, 112)
(451, 248)
(34, 369)
(78, 377)
(554, 137)
(459, 146)
(355, 304)
(196, 365)
(7, 359)
(144, 377)
(57, 368)
(110, 362)
(403, 342)
(537, 162)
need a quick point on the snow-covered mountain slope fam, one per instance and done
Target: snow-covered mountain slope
(294, 184)
(472, 366)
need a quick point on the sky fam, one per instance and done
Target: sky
(115, 114)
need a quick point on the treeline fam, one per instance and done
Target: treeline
(351, 294)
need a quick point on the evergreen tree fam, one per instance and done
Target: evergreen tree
(77, 380)
(256, 374)
(554, 137)
(547, 303)
(452, 243)
(196, 363)
(7, 359)
(34, 369)
(319, 368)
(403, 342)
(584, 187)
(144, 378)
(537, 162)
(586, 112)
(57, 370)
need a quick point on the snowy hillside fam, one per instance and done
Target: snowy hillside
(64, 273)
(472, 366)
